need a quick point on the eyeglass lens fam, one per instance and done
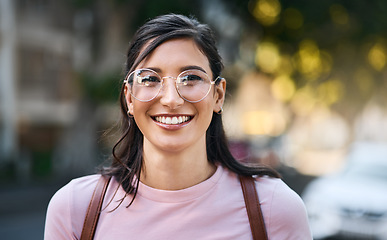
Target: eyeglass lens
(192, 85)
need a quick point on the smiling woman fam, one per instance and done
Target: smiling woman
(172, 174)
(170, 102)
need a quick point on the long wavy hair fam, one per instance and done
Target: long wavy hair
(127, 157)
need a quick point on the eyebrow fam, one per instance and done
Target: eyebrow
(182, 69)
(192, 67)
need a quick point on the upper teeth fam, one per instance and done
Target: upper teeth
(172, 120)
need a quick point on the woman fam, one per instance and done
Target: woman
(173, 176)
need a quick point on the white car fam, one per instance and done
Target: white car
(352, 203)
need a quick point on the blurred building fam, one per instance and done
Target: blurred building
(45, 46)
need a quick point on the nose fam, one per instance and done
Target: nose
(169, 95)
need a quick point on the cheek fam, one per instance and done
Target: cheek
(140, 110)
(206, 110)
(137, 108)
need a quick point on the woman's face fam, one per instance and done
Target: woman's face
(168, 122)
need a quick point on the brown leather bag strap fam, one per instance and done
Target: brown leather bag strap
(94, 209)
(253, 208)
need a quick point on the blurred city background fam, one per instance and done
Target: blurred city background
(307, 83)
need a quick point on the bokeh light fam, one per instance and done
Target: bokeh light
(304, 101)
(293, 18)
(339, 14)
(283, 88)
(263, 123)
(267, 11)
(377, 56)
(267, 57)
(330, 91)
(310, 61)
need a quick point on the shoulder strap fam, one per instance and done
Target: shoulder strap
(253, 208)
(94, 209)
(250, 195)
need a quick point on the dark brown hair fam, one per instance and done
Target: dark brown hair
(127, 152)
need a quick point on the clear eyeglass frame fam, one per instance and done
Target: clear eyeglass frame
(179, 84)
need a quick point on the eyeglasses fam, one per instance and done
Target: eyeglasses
(192, 85)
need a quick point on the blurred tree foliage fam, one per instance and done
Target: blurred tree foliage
(333, 52)
(100, 89)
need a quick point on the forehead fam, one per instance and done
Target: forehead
(176, 53)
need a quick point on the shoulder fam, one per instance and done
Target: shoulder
(276, 189)
(284, 211)
(78, 191)
(68, 206)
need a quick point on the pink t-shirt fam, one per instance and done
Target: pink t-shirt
(213, 209)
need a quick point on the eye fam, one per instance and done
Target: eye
(146, 79)
(190, 79)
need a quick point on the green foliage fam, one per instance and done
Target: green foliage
(368, 17)
(41, 163)
(351, 35)
(100, 89)
(7, 171)
(151, 8)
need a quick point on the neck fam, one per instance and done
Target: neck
(175, 170)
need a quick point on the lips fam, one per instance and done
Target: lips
(172, 120)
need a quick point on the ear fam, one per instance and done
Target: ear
(220, 92)
(128, 98)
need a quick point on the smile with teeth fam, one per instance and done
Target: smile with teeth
(172, 120)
